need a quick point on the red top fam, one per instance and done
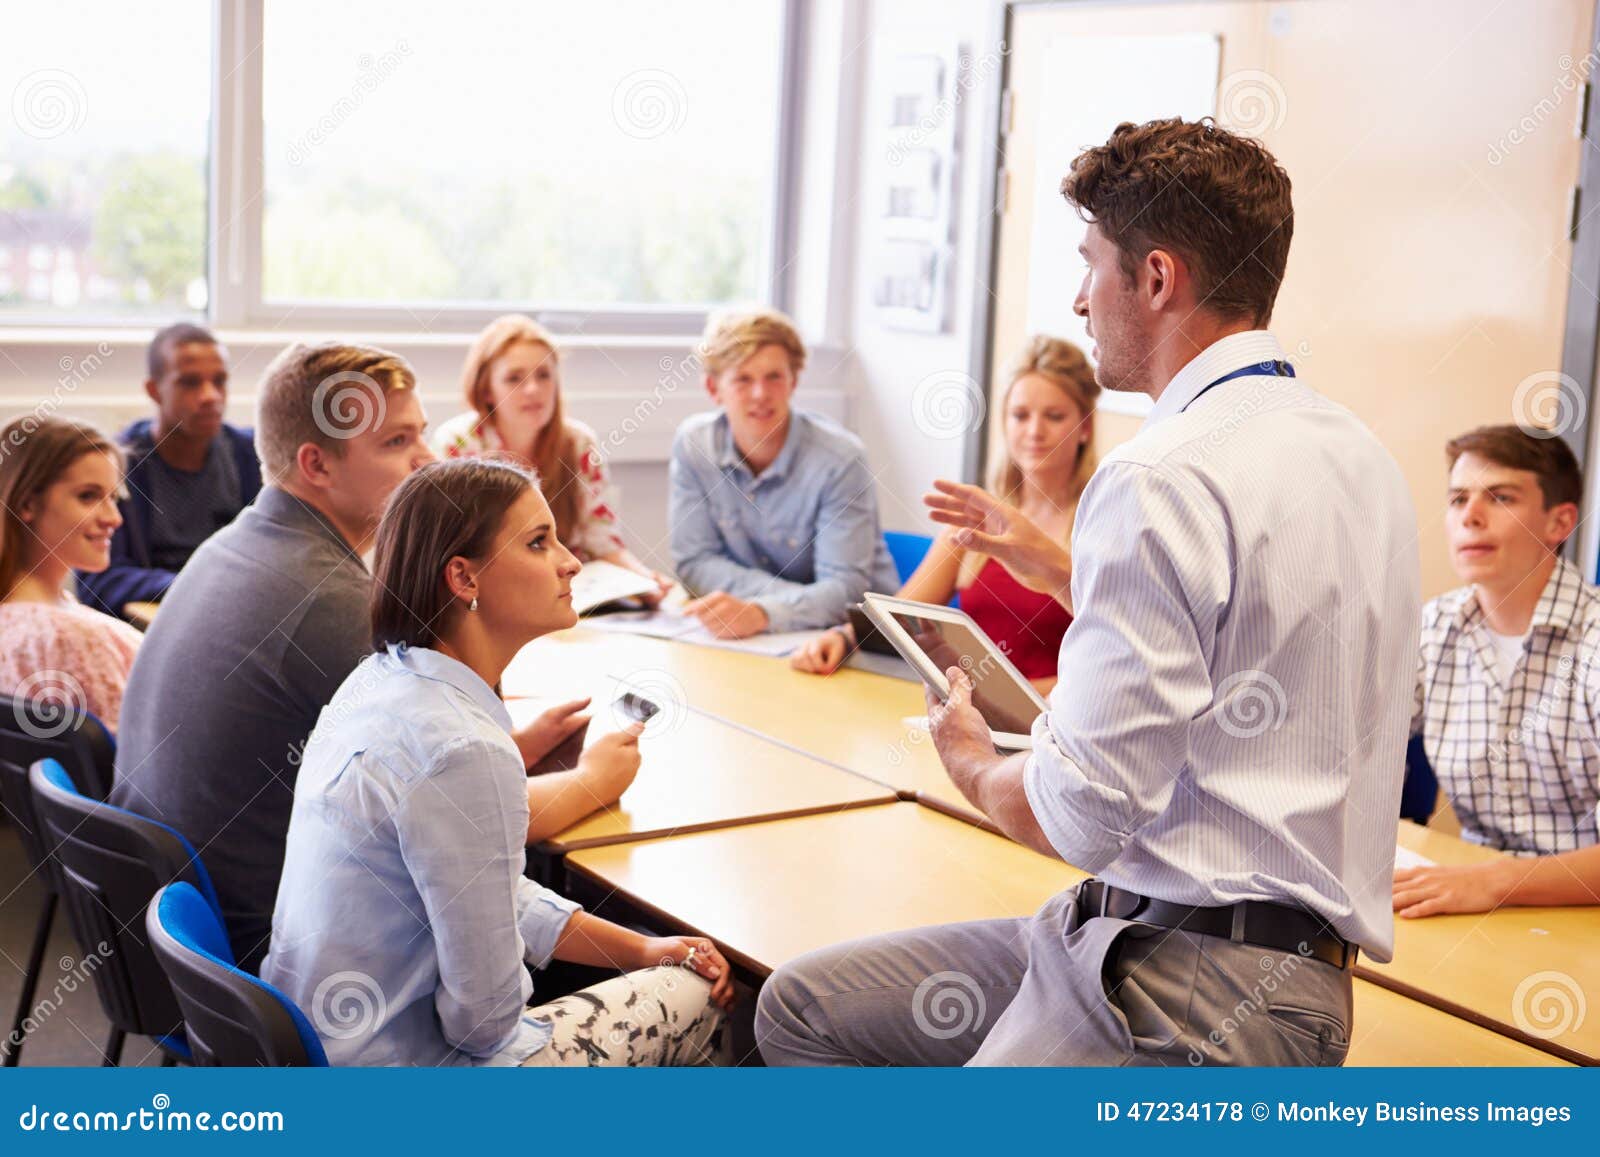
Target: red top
(1026, 625)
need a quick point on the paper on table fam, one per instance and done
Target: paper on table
(601, 582)
(1406, 858)
(667, 624)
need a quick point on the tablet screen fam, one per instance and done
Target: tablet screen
(1005, 706)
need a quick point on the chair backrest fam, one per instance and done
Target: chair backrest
(35, 729)
(907, 550)
(231, 1017)
(110, 863)
(16, 798)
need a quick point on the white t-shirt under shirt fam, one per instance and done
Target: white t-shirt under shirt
(1507, 650)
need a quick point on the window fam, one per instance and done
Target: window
(489, 155)
(103, 155)
(380, 163)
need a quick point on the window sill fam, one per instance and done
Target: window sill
(83, 335)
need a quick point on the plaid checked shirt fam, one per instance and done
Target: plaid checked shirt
(1520, 763)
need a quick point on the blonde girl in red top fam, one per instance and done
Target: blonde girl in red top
(1049, 456)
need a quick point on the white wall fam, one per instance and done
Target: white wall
(889, 363)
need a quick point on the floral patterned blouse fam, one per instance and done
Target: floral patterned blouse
(597, 533)
(66, 655)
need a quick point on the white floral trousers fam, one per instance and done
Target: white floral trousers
(656, 1016)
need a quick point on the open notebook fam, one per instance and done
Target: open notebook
(603, 586)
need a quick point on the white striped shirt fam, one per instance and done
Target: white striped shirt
(1236, 689)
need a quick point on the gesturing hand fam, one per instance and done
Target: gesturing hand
(994, 527)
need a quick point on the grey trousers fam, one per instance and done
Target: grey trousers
(1049, 990)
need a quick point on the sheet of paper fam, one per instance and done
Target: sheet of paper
(1406, 858)
(667, 624)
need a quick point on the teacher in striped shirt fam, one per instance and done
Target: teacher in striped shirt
(1225, 746)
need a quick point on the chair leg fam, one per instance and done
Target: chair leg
(114, 1049)
(30, 981)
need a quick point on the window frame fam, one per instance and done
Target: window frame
(234, 265)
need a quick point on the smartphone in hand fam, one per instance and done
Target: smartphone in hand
(631, 705)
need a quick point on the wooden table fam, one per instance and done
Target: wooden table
(1472, 967)
(851, 719)
(141, 615)
(696, 773)
(1524, 972)
(767, 893)
(1391, 1029)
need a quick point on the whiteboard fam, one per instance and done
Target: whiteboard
(1091, 85)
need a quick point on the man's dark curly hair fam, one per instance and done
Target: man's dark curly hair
(1218, 201)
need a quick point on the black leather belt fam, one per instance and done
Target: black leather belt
(1275, 926)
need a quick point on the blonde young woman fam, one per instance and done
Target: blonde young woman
(512, 382)
(58, 510)
(1049, 433)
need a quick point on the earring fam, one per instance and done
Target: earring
(473, 605)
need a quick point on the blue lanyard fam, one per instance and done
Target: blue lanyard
(1260, 369)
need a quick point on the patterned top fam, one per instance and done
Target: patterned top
(597, 533)
(68, 655)
(1520, 762)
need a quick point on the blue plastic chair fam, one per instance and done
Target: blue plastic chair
(110, 862)
(35, 730)
(232, 1017)
(907, 550)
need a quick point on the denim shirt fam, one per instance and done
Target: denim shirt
(403, 918)
(800, 540)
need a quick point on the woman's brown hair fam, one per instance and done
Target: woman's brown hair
(444, 510)
(34, 453)
(555, 450)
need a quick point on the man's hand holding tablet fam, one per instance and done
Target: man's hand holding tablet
(994, 527)
(992, 782)
(960, 733)
(934, 639)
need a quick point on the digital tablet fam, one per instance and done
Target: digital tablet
(868, 637)
(933, 639)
